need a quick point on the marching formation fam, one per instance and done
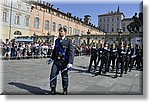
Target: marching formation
(118, 59)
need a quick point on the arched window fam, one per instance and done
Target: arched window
(78, 32)
(74, 31)
(54, 26)
(17, 33)
(37, 22)
(47, 25)
(4, 16)
(65, 26)
(70, 30)
(26, 21)
(59, 26)
(17, 19)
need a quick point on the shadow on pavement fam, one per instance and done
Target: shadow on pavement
(82, 71)
(31, 89)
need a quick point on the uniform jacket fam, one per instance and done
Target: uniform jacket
(67, 46)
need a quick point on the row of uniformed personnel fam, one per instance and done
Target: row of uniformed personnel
(121, 57)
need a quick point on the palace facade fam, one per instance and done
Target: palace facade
(14, 19)
(40, 21)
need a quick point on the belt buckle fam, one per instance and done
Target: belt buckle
(58, 57)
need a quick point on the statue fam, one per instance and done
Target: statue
(134, 27)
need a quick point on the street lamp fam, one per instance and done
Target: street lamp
(120, 31)
(88, 37)
(79, 39)
(34, 37)
(48, 37)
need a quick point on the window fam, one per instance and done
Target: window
(17, 19)
(107, 19)
(118, 19)
(4, 16)
(59, 26)
(107, 27)
(37, 22)
(17, 33)
(19, 6)
(54, 26)
(74, 31)
(104, 19)
(65, 26)
(124, 29)
(28, 9)
(100, 26)
(100, 20)
(26, 21)
(112, 19)
(78, 32)
(47, 25)
(70, 30)
(5, 2)
(103, 25)
(112, 30)
(117, 24)
(117, 29)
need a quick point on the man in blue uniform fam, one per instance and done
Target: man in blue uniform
(63, 56)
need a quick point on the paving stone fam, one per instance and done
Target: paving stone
(28, 76)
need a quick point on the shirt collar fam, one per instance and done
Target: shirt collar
(62, 37)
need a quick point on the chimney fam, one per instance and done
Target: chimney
(87, 19)
(43, 2)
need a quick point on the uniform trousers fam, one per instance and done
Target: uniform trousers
(54, 72)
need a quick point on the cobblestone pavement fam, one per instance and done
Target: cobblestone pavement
(28, 76)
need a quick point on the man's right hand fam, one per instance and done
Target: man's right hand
(49, 61)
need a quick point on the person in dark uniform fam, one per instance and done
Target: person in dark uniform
(138, 56)
(113, 55)
(99, 54)
(105, 58)
(120, 60)
(63, 56)
(127, 57)
(141, 58)
(132, 57)
(93, 57)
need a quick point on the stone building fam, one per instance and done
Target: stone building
(114, 24)
(14, 19)
(45, 20)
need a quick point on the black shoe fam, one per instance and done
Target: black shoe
(125, 73)
(104, 72)
(120, 75)
(129, 70)
(99, 73)
(115, 76)
(112, 70)
(88, 71)
(53, 91)
(65, 93)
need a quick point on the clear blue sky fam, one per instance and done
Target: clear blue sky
(80, 9)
